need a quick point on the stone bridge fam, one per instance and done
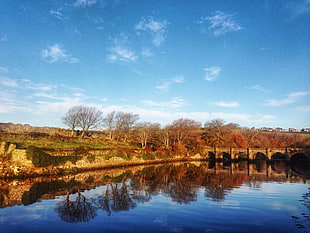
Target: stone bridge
(259, 153)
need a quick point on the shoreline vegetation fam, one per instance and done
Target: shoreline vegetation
(27, 151)
(35, 161)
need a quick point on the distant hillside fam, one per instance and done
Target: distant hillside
(20, 128)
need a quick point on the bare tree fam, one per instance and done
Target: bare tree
(164, 136)
(84, 117)
(88, 117)
(71, 118)
(145, 131)
(109, 123)
(183, 128)
(124, 123)
(216, 133)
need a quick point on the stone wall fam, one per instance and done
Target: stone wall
(18, 158)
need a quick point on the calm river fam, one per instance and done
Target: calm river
(178, 197)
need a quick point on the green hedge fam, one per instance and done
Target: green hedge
(41, 159)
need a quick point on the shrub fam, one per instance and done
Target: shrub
(41, 159)
(90, 179)
(164, 154)
(38, 134)
(81, 150)
(106, 157)
(148, 156)
(58, 137)
(91, 158)
(122, 154)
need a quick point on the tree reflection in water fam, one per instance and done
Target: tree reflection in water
(115, 199)
(181, 182)
(76, 211)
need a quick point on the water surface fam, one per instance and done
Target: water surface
(179, 197)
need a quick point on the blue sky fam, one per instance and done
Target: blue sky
(243, 61)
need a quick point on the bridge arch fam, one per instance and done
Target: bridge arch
(260, 156)
(261, 165)
(301, 167)
(279, 166)
(211, 155)
(279, 156)
(299, 156)
(226, 156)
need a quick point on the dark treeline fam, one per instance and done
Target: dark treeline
(181, 136)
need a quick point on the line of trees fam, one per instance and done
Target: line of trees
(182, 135)
(83, 117)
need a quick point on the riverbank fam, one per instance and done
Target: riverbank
(34, 161)
(37, 162)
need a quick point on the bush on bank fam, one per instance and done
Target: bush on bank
(41, 159)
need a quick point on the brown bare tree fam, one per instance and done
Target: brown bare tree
(71, 118)
(84, 117)
(182, 129)
(145, 132)
(164, 137)
(109, 123)
(124, 123)
(216, 133)
(88, 118)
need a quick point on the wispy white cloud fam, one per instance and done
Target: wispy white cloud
(146, 52)
(28, 84)
(58, 100)
(12, 108)
(166, 84)
(55, 100)
(84, 3)
(157, 29)
(211, 73)
(55, 54)
(120, 50)
(290, 98)
(4, 70)
(24, 95)
(175, 102)
(57, 107)
(258, 88)
(303, 108)
(57, 14)
(10, 102)
(122, 54)
(48, 96)
(6, 96)
(220, 23)
(178, 79)
(167, 115)
(24, 84)
(8, 82)
(230, 104)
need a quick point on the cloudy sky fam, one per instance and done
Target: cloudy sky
(246, 62)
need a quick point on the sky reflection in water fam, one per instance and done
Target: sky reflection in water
(170, 198)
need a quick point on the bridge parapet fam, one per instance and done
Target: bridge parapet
(258, 153)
